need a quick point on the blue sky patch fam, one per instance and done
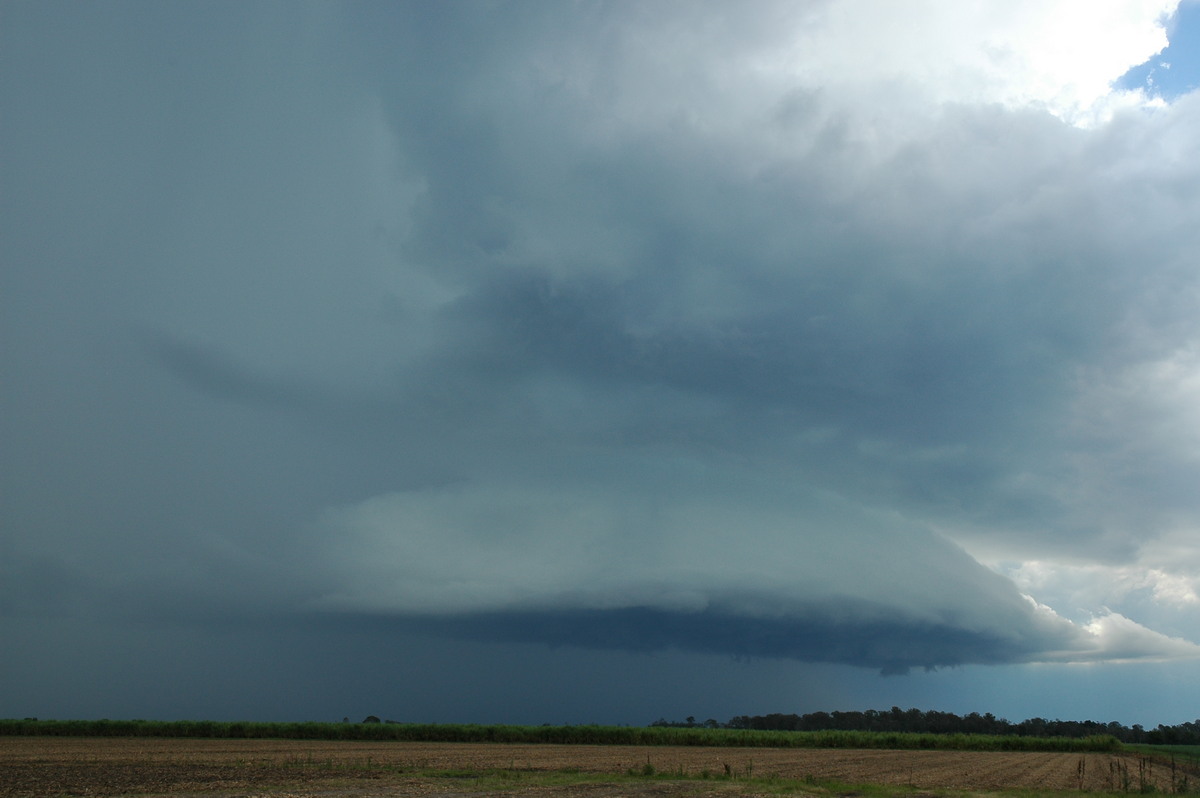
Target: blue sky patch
(1176, 70)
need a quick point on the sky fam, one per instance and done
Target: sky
(1175, 70)
(598, 362)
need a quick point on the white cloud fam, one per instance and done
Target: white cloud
(1096, 585)
(1116, 638)
(1063, 56)
(1106, 599)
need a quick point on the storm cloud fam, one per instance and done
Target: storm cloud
(748, 329)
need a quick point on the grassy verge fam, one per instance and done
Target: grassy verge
(564, 735)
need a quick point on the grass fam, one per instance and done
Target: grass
(1184, 753)
(563, 735)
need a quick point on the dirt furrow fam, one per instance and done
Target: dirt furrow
(41, 767)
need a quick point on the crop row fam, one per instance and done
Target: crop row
(566, 735)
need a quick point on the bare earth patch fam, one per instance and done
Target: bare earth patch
(37, 767)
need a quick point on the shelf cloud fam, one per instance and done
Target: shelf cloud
(835, 332)
(838, 586)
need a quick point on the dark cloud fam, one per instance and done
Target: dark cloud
(600, 326)
(830, 633)
(217, 376)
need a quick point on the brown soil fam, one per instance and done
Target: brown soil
(39, 767)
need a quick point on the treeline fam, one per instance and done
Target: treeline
(915, 721)
(663, 733)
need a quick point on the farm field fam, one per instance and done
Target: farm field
(39, 767)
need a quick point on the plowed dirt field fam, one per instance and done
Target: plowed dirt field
(40, 767)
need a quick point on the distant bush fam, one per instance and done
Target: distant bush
(934, 722)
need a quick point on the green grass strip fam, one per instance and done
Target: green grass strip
(561, 735)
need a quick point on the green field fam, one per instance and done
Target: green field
(562, 735)
(1189, 754)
